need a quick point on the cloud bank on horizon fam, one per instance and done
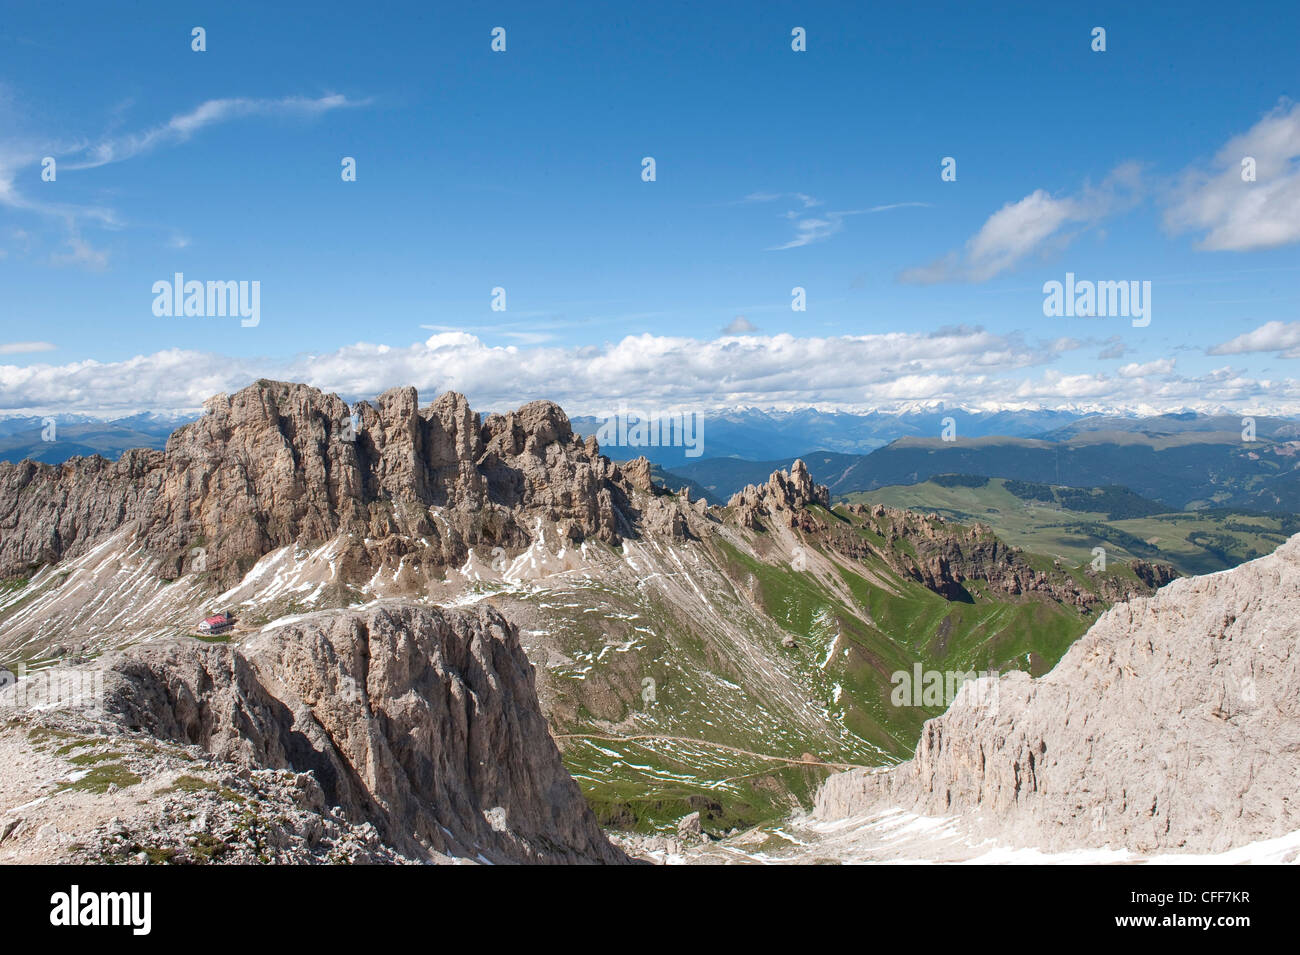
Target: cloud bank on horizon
(967, 367)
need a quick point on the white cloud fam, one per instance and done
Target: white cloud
(966, 366)
(1237, 215)
(1161, 366)
(1028, 226)
(23, 348)
(1282, 337)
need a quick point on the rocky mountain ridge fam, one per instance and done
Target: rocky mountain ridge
(278, 463)
(945, 556)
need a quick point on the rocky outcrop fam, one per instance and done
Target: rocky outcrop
(1173, 724)
(1153, 574)
(786, 497)
(945, 555)
(277, 463)
(421, 723)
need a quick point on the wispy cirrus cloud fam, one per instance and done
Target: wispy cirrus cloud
(810, 227)
(19, 153)
(182, 126)
(801, 197)
(1038, 223)
(72, 217)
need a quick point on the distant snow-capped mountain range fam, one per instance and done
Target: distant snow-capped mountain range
(749, 433)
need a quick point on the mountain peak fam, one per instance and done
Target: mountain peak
(278, 463)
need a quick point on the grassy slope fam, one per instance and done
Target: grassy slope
(883, 633)
(701, 692)
(846, 651)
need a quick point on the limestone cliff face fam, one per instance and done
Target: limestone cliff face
(280, 463)
(423, 723)
(1174, 723)
(49, 512)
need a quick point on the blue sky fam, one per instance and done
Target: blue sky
(775, 169)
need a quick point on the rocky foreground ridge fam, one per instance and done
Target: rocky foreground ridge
(1172, 724)
(399, 733)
